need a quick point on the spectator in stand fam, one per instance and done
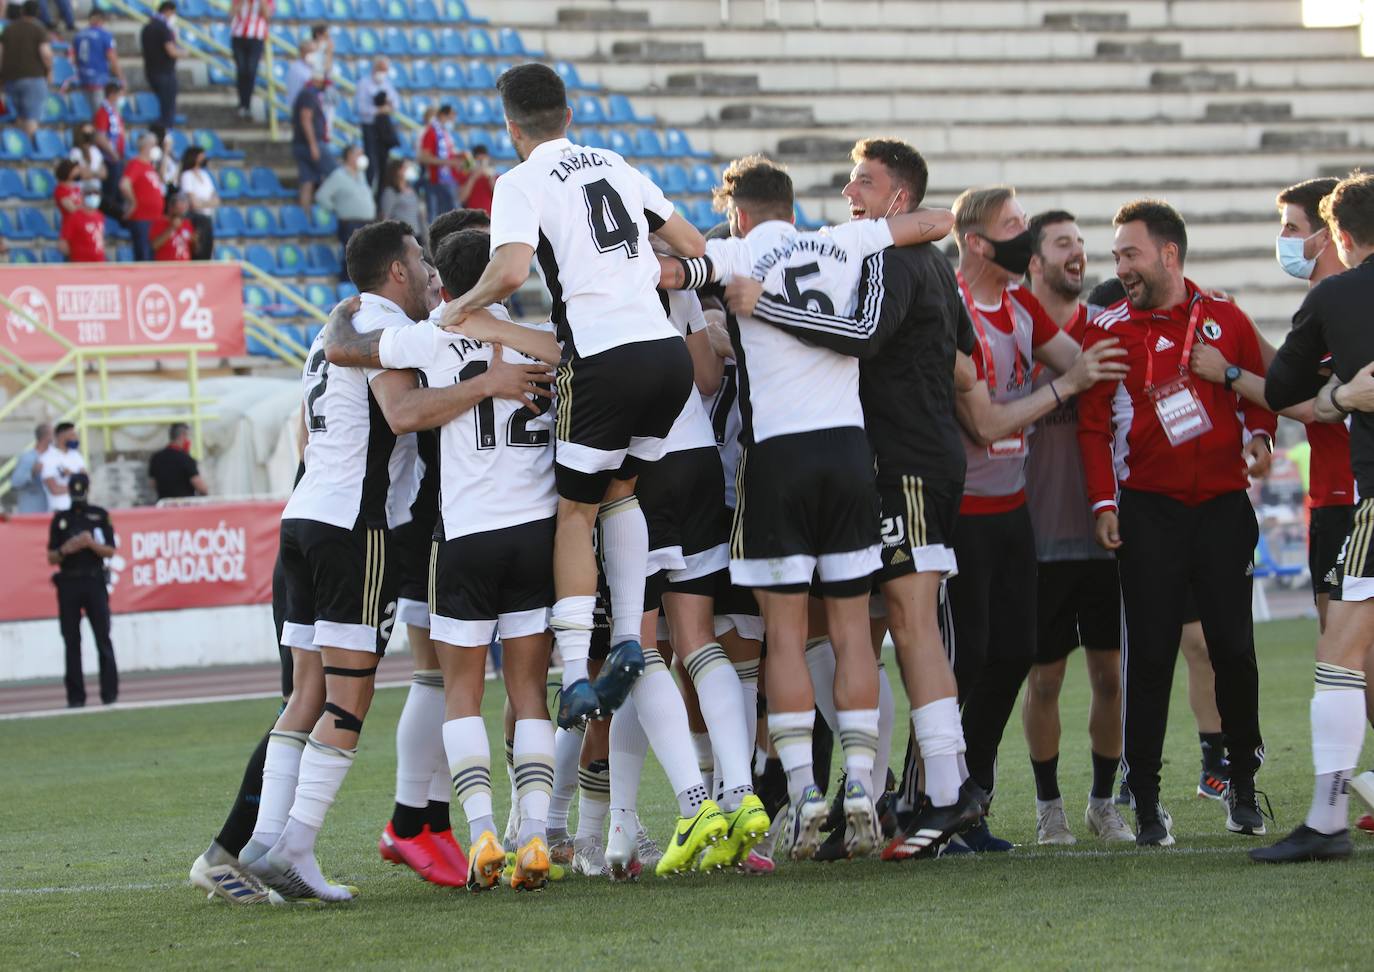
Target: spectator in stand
(60, 461)
(366, 103)
(64, 11)
(110, 137)
(248, 28)
(144, 198)
(90, 161)
(95, 59)
(384, 126)
(160, 55)
(310, 140)
(438, 153)
(401, 201)
(174, 238)
(348, 196)
(315, 57)
(83, 232)
(26, 64)
(168, 166)
(476, 180)
(67, 192)
(27, 479)
(199, 187)
(172, 472)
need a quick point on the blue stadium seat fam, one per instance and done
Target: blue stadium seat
(594, 138)
(400, 76)
(570, 77)
(424, 12)
(703, 217)
(232, 183)
(210, 141)
(804, 221)
(262, 258)
(620, 111)
(78, 109)
(651, 171)
(259, 221)
(321, 297)
(587, 110)
(14, 146)
(323, 222)
(41, 185)
(366, 42)
(395, 11)
(481, 77)
(619, 142)
(422, 75)
(419, 104)
(676, 142)
(62, 71)
(338, 10)
(281, 307)
(22, 254)
(395, 42)
(343, 43)
(34, 224)
(219, 75)
(48, 146)
(313, 10)
(501, 147)
(451, 42)
(509, 43)
(346, 71)
(291, 10)
(11, 186)
(290, 260)
(54, 110)
(347, 290)
(367, 10)
(180, 141)
(703, 178)
(264, 184)
(479, 43)
(114, 230)
(294, 222)
(478, 110)
(51, 254)
(423, 43)
(124, 253)
(648, 145)
(193, 9)
(256, 298)
(142, 108)
(674, 179)
(321, 260)
(451, 76)
(456, 11)
(227, 251)
(7, 228)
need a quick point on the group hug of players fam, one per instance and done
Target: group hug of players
(752, 458)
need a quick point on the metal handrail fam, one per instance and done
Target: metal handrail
(268, 281)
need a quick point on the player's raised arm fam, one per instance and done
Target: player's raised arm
(920, 226)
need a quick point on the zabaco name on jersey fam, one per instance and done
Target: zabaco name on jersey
(570, 165)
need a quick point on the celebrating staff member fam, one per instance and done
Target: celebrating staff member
(79, 540)
(1184, 519)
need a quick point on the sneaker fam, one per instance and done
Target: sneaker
(931, 827)
(450, 850)
(1306, 844)
(300, 883)
(692, 836)
(622, 854)
(1243, 813)
(861, 821)
(747, 825)
(227, 882)
(646, 847)
(560, 847)
(1123, 795)
(1104, 821)
(887, 814)
(589, 857)
(510, 837)
(486, 860)
(1366, 823)
(833, 847)
(1153, 828)
(1211, 784)
(758, 863)
(420, 855)
(623, 666)
(980, 840)
(804, 819)
(531, 866)
(1052, 824)
(577, 703)
(1363, 787)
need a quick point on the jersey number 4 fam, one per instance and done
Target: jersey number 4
(517, 431)
(612, 227)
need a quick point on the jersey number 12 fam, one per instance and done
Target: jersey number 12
(517, 431)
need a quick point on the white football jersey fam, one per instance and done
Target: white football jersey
(787, 385)
(495, 460)
(349, 447)
(723, 409)
(588, 214)
(692, 428)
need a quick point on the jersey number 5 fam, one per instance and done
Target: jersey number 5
(612, 227)
(813, 300)
(517, 431)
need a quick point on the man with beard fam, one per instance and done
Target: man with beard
(1177, 449)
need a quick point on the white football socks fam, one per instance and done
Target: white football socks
(625, 554)
(791, 735)
(323, 768)
(469, 761)
(572, 620)
(419, 738)
(280, 770)
(859, 743)
(567, 749)
(533, 775)
(939, 735)
(629, 747)
(663, 715)
(722, 708)
(887, 717)
(1338, 721)
(748, 672)
(820, 662)
(594, 797)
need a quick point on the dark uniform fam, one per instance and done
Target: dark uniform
(80, 581)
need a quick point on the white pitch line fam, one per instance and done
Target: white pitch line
(89, 888)
(160, 703)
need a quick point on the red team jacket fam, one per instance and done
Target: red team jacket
(1122, 441)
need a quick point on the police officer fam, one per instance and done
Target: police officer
(79, 540)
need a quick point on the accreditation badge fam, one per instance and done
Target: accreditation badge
(1180, 411)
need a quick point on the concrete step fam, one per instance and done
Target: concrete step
(897, 14)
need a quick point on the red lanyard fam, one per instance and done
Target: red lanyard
(1193, 318)
(989, 365)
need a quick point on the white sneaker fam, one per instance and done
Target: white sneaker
(861, 821)
(622, 853)
(510, 840)
(1105, 822)
(1363, 787)
(231, 884)
(1051, 823)
(646, 848)
(589, 857)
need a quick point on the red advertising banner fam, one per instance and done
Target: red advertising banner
(168, 559)
(92, 304)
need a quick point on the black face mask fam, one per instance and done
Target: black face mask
(1013, 255)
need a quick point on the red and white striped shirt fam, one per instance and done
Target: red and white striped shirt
(250, 18)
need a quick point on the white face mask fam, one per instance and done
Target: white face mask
(1289, 251)
(93, 201)
(412, 174)
(379, 76)
(157, 154)
(361, 163)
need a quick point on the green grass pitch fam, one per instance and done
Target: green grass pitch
(102, 815)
